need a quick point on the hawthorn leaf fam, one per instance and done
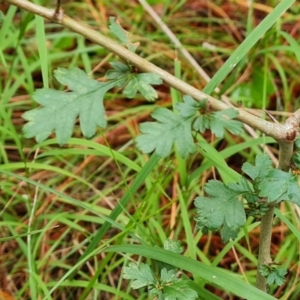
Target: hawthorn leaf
(189, 107)
(202, 123)
(228, 234)
(262, 167)
(141, 83)
(273, 275)
(265, 270)
(179, 290)
(122, 35)
(222, 209)
(119, 72)
(217, 122)
(280, 276)
(60, 109)
(221, 120)
(244, 187)
(160, 136)
(274, 185)
(293, 192)
(167, 276)
(173, 246)
(141, 275)
(279, 185)
(296, 159)
(175, 288)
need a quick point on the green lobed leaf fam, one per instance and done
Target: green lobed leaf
(264, 270)
(167, 276)
(141, 83)
(293, 191)
(243, 186)
(122, 34)
(275, 185)
(262, 167)
(160, 136)
(271, 183)
(217, 122)
(274, 275)
(141, 275)
(296, 158)
(279, 185)
(223, 209)
(119, 71)
(228, 233)
(59, 109)
(173, 246)
(189, 107)
(179, 290)
(133, 83)
(221, 120)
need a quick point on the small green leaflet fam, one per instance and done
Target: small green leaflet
(296, 159)
(134, 83)
(122, 34)
(59, 109)
(271, 183)
(190, 107)
(274, 275)
(141, 275)
(221, 120)
(168, 286)
(262, 167)
(217, 122)
(160, 136)
(223, 209)
(131, 82)
(175, 288)
(119, 71)
(141, 83)
(173, 246)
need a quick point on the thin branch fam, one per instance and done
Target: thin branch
(277, 131)
(285, 155)
(264, 257)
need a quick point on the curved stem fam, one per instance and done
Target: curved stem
(275, 130)
(264, 256)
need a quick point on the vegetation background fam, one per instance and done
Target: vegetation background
(42, 235)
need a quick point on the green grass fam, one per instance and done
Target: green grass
(70, 217)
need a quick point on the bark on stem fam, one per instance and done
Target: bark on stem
(264, 256)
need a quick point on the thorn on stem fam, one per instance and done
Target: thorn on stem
(58, 12)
